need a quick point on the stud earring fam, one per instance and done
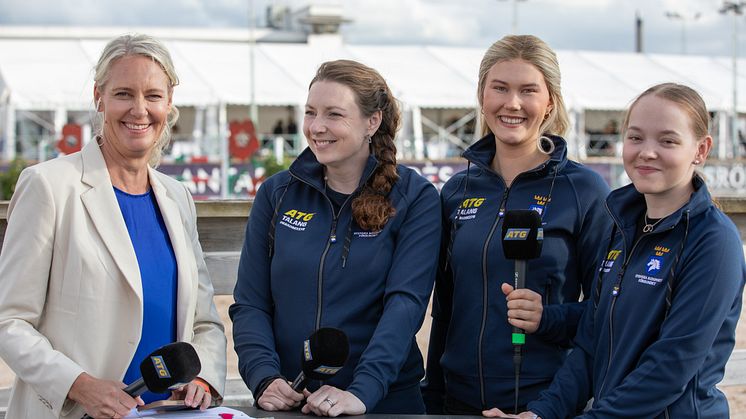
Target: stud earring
(696, 162)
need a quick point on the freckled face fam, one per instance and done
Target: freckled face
(335, 127)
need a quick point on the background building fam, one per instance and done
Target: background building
(229, 74)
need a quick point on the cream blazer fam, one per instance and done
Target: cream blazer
(70, 287)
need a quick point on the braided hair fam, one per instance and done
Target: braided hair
(371, 208)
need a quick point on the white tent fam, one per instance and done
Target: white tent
(55, 75)
(47, 74)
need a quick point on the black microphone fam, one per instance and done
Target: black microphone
(324, 354)
(165, 369)
(522, 240)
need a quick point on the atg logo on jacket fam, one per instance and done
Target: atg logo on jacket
(469, 208)
(296, 220)
(608, 261)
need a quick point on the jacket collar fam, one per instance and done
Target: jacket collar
(308, 169)
(103, 209)
(626, 205)
(482, 153)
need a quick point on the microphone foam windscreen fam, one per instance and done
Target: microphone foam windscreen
(325, 353)
(522, 234)
(170, 365)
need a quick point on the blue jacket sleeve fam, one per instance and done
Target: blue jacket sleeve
(560, 321)
(708, 291)
(408, 287)
(252, 312)
(571, 387)
(433, 387)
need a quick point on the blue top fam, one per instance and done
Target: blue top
(637, 354)
(155, 257)
(470, 350)
(303, 268)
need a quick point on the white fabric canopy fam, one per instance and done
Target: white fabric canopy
(58, 73)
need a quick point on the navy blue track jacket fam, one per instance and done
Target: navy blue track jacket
(470, 352)
(326, 272)
(637, 355)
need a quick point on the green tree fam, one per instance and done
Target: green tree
(271, 166)
(9, 178)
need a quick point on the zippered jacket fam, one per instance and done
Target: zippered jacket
(470, 352)
(656, 339)
(303, 267)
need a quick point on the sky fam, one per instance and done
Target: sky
(603, 25)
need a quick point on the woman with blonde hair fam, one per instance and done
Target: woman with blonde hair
(101, 263)
(520, 163)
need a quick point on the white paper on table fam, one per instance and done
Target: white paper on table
(212, 413)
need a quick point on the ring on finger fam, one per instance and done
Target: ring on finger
(331, 403)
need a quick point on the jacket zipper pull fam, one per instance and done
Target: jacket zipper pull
(618, 285)
(333, 237)
(501, 212)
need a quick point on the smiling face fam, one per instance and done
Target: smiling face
(660, 149)
(335, 128)
(515, 102)
(135, 101)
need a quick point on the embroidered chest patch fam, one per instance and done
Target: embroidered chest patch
(469, 208)
(654, 267)
(296, 220)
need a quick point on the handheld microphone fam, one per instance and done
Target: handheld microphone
(522, 240)
(166, 368)
(324, 354)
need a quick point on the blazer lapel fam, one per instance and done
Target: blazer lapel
(103, 209)
(182, 251)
